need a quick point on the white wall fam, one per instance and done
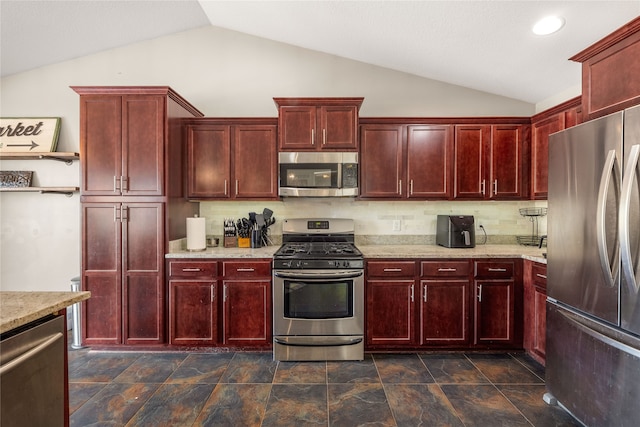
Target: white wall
(222, 73)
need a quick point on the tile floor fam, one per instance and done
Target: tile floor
(250, 389)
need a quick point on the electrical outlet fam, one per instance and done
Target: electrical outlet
(396, 225)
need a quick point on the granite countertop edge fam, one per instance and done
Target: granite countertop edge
(17, 308)
(382, 251)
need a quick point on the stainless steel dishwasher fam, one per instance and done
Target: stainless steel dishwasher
(32, 376)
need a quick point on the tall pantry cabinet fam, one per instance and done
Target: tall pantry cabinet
(133, 203)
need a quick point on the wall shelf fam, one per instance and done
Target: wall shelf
(67, 191)
(65, 157)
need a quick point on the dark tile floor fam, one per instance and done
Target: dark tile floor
(250, 389)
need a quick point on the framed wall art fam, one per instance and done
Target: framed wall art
(29, 134)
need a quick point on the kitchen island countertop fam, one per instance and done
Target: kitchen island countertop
(19, 308)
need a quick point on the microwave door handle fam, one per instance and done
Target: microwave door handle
(601, 238)
(625, 205)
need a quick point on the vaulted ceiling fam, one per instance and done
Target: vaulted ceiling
(483, 45)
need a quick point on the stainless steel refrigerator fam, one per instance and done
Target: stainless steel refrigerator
(593, 270)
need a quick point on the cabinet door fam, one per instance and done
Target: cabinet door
(506, 162)
(142, 145)
(143, 273)
(429, 157)
(390, 318)
(297, 128)
(381, 167)
(445, 312)
(339, 127)
(208, 160)
(101, 273)
(247, 312)
(100, 145)
(494, 312)
(255, 162)
(193, 312)
(470, 146)
(540, 153)
(535, 309)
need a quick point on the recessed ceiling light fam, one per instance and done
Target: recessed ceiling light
(548, 25)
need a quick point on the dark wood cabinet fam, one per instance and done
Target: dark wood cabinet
(232, 159)
(400, 161)
(381, 161)
(445, 299)
(122, 145)
(133, 203)
(507, 166)
(498, 304)
(561, 117)
(476, 160)
(311, 124)
(247, 303)
(122, 264)
(429, 162)
(470, 146)
(610, 72)
(390, 304)
(488, 162)
(535, 309)
(193, 303)
(215, 303)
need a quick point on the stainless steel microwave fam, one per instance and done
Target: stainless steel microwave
(311, 174)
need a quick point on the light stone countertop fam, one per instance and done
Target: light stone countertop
(20, 308)
(222, 252)
(434, 251)
(384, 251)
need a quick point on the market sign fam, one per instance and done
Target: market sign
(30, 134)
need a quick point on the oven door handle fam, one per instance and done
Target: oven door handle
(330, 341)
(315, 275)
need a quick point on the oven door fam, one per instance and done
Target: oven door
(318, 302)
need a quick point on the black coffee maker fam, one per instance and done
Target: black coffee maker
(456, 231)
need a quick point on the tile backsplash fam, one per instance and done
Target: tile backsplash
(387, 222)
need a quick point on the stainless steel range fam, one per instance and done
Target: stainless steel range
(318, 292)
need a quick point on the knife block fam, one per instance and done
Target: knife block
(230, 241)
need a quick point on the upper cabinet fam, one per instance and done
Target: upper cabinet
(312, 124)
(124, 134)
(488, 161)
(611, 72)
(544, 124)
(232, 159)
(405, 161)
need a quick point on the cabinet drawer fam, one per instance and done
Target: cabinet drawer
(444, 268)
(539, 275)
(193, 269)
(494, 269)
(246, 268)
(391, 268)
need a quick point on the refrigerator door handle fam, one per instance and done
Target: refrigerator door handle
(625, 204)
(601, 231)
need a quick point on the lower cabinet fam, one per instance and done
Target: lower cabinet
(247, 303)
(214, 303)
(390, 304)
(535, 312)
(193, 305)
(498, 304)
(444, 303)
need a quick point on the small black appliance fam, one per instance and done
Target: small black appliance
(456, 231)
